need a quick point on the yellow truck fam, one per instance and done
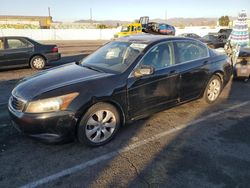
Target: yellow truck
(129, 29)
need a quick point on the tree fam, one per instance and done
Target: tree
(101, 26)
(224, 21)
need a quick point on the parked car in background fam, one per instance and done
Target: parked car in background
(160, 29)
(222, 34)
(123, 81)
(242, 65)
(190, 35)
(23, 51)
(213, 41)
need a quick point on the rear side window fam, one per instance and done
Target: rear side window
(190, 51)
(17, 43)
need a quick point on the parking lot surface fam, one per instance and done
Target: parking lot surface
(192, 145)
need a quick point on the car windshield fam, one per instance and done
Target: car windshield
(125, 29)
(114, 57)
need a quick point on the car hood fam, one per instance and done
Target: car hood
(55, 78)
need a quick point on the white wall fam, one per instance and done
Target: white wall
(201, 31)
(61, 34)
(85, 34)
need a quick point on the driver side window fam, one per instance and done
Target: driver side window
(159, 57)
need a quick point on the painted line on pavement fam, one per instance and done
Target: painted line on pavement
(110, 155)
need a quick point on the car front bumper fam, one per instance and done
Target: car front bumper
(53, 127)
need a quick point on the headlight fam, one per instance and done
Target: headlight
(51, 104)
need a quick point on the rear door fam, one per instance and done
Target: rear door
(194, 70)
(17, 52)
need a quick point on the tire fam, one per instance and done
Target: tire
(37, 62)
(213, 89)
(98, 125)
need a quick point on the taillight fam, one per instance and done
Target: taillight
(55, 49)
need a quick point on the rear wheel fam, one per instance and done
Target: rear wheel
(37, 62)
(99, 125)
(213, 89)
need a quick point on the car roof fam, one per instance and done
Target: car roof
(21, 37)
(149, 38)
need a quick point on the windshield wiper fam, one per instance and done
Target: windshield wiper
(93, 68)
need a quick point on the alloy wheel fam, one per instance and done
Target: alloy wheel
(38, 63)
(213, 90)
(100, 126)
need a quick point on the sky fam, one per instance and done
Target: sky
(126, 10)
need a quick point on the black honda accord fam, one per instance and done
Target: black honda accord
(18, 51)
(123, 81)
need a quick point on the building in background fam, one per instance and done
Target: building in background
(74, 25)
(25, 22)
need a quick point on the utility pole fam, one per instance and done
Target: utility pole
(166, 14)
(49, 11)
(90, 14)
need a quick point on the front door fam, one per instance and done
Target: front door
(154, 92)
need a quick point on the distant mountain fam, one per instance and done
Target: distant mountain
(178, 22)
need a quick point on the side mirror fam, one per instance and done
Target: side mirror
(78, 62)
(143, 71)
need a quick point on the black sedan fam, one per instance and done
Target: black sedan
(123, 81)
(23, 51)
(213, 41)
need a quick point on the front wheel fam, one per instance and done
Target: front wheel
(213, 89)
(99, 125)
(37, 62)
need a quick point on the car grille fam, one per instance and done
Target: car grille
(17, 103)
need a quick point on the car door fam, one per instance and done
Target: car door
(151, 93)
(2, 56)
(17, 52)
(194, 71)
